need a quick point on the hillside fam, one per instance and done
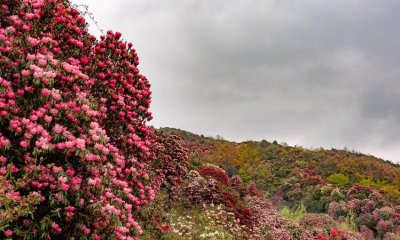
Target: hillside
(78, 159)
(358, 192)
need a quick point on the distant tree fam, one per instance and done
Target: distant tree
(251, 165)
(218, 137)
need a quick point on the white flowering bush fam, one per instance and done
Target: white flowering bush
(208, 222)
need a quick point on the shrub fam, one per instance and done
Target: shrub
(337, 209)
(295, 215)
(216, 173)
(366, 219)
(210, 222)
(74, 145)
(368, 206)
(384, 226)
(367, 233)
(319, 221)
(338, 179)
(271, 225)
(385, 213)
(170, 166)
(359, 192)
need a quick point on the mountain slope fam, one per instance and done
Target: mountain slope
(358, 192)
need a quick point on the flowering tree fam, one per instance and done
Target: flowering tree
(74, 147)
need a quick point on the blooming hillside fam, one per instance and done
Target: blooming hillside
(77, 160)
(318, 189)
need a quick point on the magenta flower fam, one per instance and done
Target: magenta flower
(80, 144)
(56, 227)
(8, 233)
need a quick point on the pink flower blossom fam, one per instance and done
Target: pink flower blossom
(45, 92)
(56, 227)
(33, 41)
(8, 233)
(3, 159)
(64, 187)
(57, 169)
(70, 172)
(30, 57)
(80, 143)
(58, 129)
(76, 180)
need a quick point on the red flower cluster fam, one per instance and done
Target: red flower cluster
(321, 236)
(333, 235)
(216, 173)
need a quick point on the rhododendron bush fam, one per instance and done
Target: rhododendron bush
(75, 151)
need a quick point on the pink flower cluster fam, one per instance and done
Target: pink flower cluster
(374, 218)
(73, 112)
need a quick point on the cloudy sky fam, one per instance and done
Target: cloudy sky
(311, 73)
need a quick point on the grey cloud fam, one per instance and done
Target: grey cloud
(313, 73)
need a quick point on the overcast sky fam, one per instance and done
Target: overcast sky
(310, 73)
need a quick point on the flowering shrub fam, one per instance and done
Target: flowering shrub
(312, 180)
(236, 182)
(14, 206)
(385, 213)
(171, 164)
(337, 209)
(270, 224)
(75, 153)
(359, 192)
(199, 190)
(216, 173)
(371, 216)
(384, 226)
(368, 206)
(314, 221)
(367, 220)
(210, 222)
(335, 234)
(354, 205)
(367, 233)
